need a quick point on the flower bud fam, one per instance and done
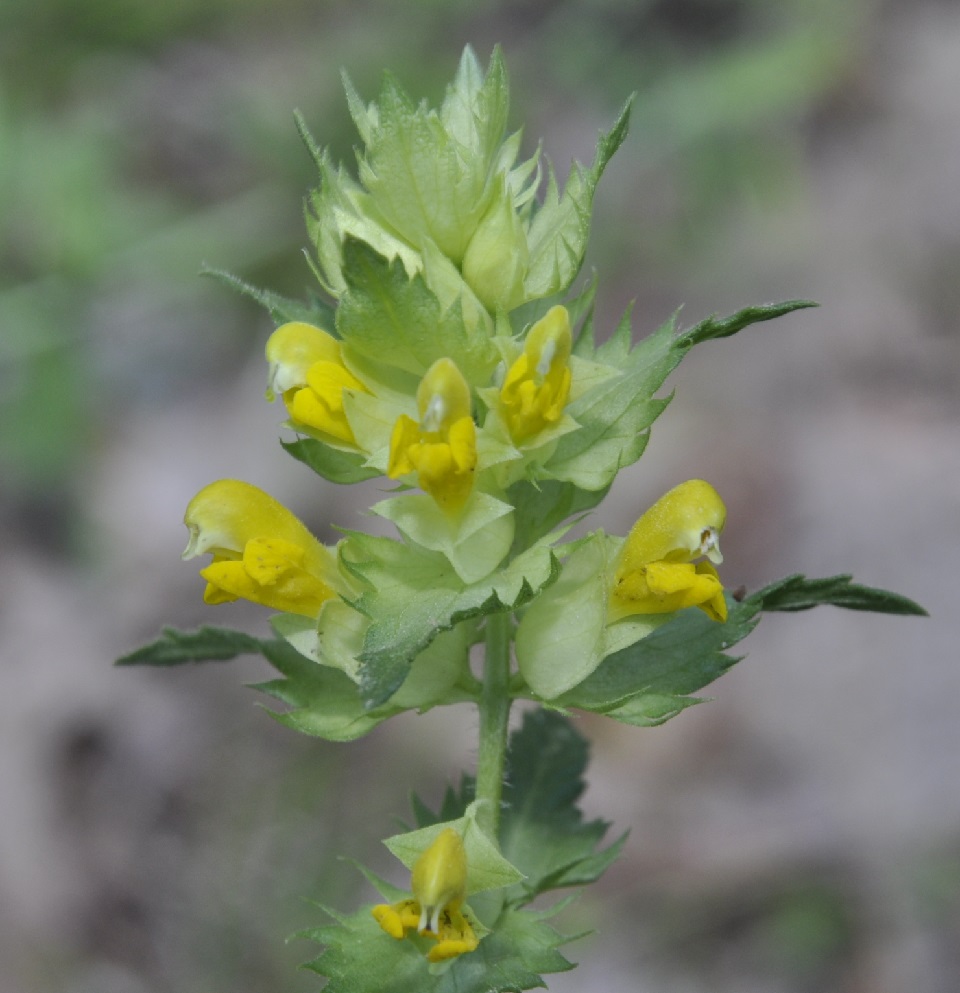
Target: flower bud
(439, 884)
(496, 261)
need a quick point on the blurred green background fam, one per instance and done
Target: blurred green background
(159, 833)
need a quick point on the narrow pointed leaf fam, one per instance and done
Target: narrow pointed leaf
(333, 464)
(799, 593)
(723, 327)
(282, 309)
(207, 644)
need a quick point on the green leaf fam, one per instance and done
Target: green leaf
(454, 804)
(281, 309)
(558, 235)
(619, 351)
(615, 417)
(520, 948)
(324, 702)
(360, 958)
(540, 506)
(609, 143)
(799, 593)
(647, 710)
(542, 831)
(208, 644)
(722, 327)
(650, 680)
(414, 594)
(395, 319)
(333, 464)
(581, 311)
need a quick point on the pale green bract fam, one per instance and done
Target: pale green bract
(487, 869)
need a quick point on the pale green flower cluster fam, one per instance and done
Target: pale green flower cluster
(450, 364)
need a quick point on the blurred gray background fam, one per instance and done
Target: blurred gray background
(158, 832)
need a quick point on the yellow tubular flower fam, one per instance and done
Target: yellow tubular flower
(656, 573)
(442, 448)
(439, 884)
(439, 879)
(537, 385)
(261, 552)
(306, 368)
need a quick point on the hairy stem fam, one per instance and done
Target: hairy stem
(494, 716)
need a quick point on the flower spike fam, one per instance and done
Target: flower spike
(656, 573)
(442, 447)
(261, 552)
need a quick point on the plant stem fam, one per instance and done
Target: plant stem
(494, 716)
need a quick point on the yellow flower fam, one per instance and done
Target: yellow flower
(306, 368)
(442, 448)
(537, 385)
(261, 552)
(656, 573)
(439, 884)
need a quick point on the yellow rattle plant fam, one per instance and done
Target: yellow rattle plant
(450, 353)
